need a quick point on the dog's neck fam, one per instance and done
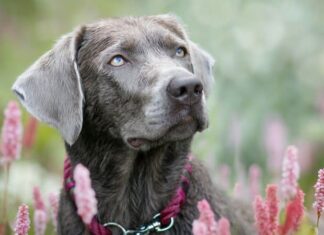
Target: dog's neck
(131, 186)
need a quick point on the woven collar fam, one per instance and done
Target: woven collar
(159, 223)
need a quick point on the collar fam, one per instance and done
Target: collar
(161, 222)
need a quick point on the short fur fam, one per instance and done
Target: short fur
(99, 109)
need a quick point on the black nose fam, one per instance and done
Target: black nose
(185, 90)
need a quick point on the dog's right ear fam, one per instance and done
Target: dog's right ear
(50, 89)
(203, 64)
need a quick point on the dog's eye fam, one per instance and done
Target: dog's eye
(181, 52)
(117, 61)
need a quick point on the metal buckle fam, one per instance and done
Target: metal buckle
(160, 229)
(154, 225)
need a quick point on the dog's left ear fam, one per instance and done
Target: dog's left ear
(203, 64)
(50, 89)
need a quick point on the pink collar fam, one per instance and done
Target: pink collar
(159, 223)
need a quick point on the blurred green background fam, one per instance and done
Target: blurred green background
(268, 90)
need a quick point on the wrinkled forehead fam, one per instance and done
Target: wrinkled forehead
(137, 34)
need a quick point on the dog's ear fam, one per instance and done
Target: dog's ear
(50, 89)
(203, 64)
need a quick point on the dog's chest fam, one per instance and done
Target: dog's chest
(131, 205)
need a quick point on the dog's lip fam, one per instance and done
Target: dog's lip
(136, 142)
(139, 142)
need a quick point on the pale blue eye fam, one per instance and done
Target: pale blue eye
(117, 60)
(181, 52)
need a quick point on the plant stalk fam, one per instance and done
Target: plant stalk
(5, 195)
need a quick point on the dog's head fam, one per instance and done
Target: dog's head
(139, 79)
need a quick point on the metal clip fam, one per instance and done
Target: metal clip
(154, 225)
(160, 229)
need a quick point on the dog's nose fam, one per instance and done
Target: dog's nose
(185, 90)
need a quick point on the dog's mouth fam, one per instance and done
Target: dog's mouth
(184, 127)
(136, 143)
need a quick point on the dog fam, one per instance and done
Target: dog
(127, 95)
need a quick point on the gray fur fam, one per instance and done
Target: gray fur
(51, 89)
(132, 183)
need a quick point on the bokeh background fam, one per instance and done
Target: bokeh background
(268, 90)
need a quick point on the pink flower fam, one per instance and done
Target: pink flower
(206, 218)
(38, 200)
(30, 132)
(40, 221)
(275, 138)
(22, 224)
(290, 173)
(319, 193)
(294, 214)
(11, 133)
(254, 178)
(223, 227)
(84, 195)
(206, 224)
(272, 202)
(261, 213)
(40, 215)
(54, 204)
(199, 228)
(267, 213)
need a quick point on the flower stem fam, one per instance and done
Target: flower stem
(5, 193)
